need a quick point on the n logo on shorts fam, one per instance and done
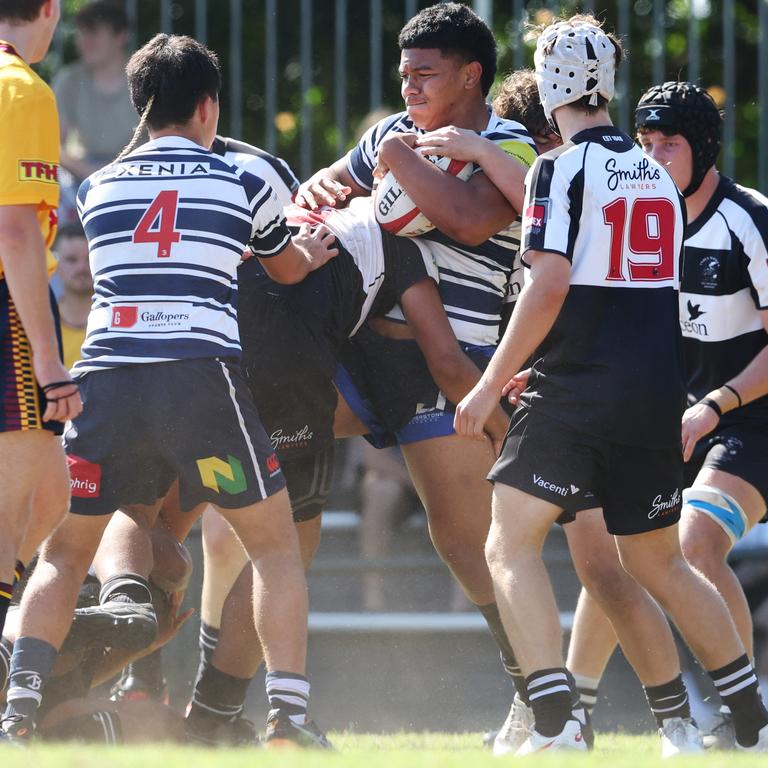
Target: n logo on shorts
(219, 475)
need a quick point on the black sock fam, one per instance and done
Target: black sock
(492, 618)
(668, 700)
(97, 728)
(218, 698)
(6, 590)
(551, 697)
(31, 666)
(148, 669)
(737, 685)
(125, 588)
(207, 641)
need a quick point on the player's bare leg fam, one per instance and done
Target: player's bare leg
(628, 611)
(26, 456)
(449, 476)
(656, 561)
(706, 545)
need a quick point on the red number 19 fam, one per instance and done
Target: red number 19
(651, 231)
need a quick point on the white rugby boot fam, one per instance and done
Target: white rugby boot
(722, 734)
(516, 729)
(762, 742)
(569, 739)
(680, 736)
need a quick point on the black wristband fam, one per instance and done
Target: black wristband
(733, 389)
(710, 403)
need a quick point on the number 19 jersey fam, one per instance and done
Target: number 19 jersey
(612, 365)
(166, 229)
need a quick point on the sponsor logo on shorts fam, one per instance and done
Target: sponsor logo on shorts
(38, 170)
(151, 317)
(273, 465)
(84, 478)
(298, 439)
(222, 476)
(536, 215)
(661, 506)
(562, 490)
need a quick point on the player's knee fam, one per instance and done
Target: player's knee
(713, 523)
(220, 541)
(497, 554)
(607, 582)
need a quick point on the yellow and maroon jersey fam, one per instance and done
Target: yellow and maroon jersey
(29, 144)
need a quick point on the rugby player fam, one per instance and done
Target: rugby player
(602, 325)
(724, 318)
(160, 366)
(36, 392)
(645, 634)
(447, 65)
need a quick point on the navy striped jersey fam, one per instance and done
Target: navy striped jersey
(612, 365)
(473, 279)
(725, 287)
(166, 229)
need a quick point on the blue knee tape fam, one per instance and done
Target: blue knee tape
(723, 509)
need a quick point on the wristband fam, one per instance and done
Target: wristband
(710, 403)
(733, 390)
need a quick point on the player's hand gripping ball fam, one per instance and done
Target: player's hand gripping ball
(395, 210)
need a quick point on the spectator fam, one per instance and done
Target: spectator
(74, 276)
(97, 117)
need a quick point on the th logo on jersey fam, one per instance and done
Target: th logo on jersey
(536, 215)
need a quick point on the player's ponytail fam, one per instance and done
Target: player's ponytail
(137, 134)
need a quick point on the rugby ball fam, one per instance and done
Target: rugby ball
(396, 212)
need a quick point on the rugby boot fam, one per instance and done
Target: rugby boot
(722, 734)
(515, 730)
(760, 746)
(133, 687)
(283, 733)
(680, 736)
(238, 732)
(16, 729)
(568, 740)
(115, 624)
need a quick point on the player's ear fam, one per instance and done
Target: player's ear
(473, 73)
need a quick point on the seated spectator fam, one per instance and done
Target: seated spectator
(76, 288)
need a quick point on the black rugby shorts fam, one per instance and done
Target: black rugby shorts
(639, 489)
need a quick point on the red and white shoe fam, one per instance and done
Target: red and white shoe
(569, 739)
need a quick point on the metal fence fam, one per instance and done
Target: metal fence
(291, 67)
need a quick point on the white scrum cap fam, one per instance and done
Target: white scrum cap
(573, 59)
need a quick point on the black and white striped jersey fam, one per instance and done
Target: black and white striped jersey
(612, 365)
(724, 288)
(473, 279)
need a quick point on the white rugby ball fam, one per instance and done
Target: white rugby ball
(395, 210)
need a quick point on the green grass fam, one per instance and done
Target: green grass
(431, 750)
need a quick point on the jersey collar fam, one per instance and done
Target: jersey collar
(171, 142)
(8, 48)
(606, 135)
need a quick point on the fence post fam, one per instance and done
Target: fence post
(306, 84)
(201, 20)
(270, 75)
(340, 78)
(762, 87)
(729, 84)
(235, 69)
(375, 49)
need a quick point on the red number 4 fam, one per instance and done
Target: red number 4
(651, 232)
(162, 213)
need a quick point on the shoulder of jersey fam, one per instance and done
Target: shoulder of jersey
(250, 158)
(25, 81)
(500, 128)
(750, 199)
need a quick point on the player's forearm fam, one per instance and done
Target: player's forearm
(453, 206)
(24, 263)
(506, 173)
(751, 384)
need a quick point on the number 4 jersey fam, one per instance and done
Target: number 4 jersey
(166, 229)
(612, 364)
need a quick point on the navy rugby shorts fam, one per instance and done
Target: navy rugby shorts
(144, 425)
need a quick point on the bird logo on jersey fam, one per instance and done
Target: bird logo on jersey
(695, 311)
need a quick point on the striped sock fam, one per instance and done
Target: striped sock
(737, 685)
(551, 697)
(125, 588)
(587, 690)
(31, 666)
(207, 642)
(289, 693)
(6, 651)
(218, 698)
(668, 700)
(18, 572)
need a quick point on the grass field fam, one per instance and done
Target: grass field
(366, 751)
